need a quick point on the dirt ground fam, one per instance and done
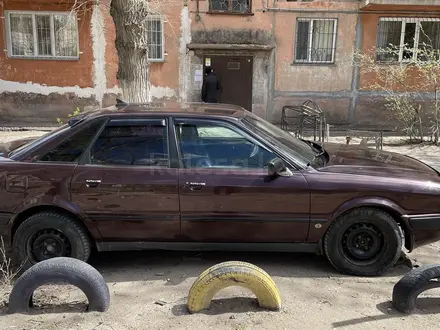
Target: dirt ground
(314, 295)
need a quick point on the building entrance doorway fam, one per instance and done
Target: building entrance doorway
(235, 76)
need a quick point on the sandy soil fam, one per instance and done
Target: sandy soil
(314, 295)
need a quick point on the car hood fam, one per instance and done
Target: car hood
(366, 161)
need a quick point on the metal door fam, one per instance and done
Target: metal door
(235, 76)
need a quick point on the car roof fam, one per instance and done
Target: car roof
(173, 108)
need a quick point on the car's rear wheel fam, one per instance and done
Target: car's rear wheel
(363, 242)
(47, 235)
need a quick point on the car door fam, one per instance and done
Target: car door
(43, 176)
(125, 184)
(225, 192)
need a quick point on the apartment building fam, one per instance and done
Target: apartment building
(267, 54)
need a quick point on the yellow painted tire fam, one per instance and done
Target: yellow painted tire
(233, 273)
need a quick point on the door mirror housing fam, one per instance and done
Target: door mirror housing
(277, 167)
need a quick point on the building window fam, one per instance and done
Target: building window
(230, 6)
(315, 40)
(34, 34)
(407, 39)
(155, 30)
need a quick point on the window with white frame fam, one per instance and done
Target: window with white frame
(406, 39)
(315, 40)
(36, 34)
(155, 30)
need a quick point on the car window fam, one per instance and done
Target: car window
(38, 141)
(142, 145)
(283, 139)
(205, 145)
(217, 131)
(71, 149)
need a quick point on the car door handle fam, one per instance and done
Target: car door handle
(195, 185)
(92, 183)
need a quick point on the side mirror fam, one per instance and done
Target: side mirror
(276, 166)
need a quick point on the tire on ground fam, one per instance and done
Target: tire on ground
(410, 286)
(80, 244)
(390, 240)
(233, 273)
(60, 270)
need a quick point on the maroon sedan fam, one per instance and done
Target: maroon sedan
(211, 177)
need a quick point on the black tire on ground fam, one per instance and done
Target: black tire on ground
(410, 286)
(60, 271)
(363, 242)
(49, 230)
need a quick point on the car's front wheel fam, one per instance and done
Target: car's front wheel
(47, 235)
(363, 242)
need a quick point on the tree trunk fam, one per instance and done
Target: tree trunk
(130, 18)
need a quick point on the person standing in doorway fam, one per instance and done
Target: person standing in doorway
(211, 87)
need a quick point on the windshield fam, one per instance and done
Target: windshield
(37, 141)
(283, 139)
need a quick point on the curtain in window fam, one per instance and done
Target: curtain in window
(155, 39)
(44, 41)
(322, 40)
(302, 41)
(388, 36)
(22, 37)
(66, 35)
(429, 38)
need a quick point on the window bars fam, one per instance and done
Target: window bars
(155, 30)
(315, 40)
(404, 39)
(230, 6)
(42, 34)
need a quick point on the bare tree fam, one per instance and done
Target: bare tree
(132, 19)
(406, 83)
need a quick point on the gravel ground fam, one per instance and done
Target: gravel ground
(7, 136)
(314, 295)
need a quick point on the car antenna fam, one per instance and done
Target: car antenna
(120, 103)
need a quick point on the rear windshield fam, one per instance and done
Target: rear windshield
(46, 137)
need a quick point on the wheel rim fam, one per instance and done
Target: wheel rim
(362, 242)
(49, 243)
